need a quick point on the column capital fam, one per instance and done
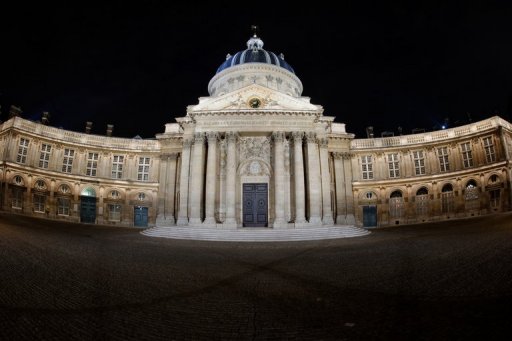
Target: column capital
(231, 136)
(323, 142)
(278, 136)
(212, 136)
(198, 137)
(310, 137)
(342, 155)
(187, 142)
(297, 136)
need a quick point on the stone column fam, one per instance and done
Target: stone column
(279, 221)
(326, 183)
(184, 177)
(165, 215)
(300, 200)
(197, 180)
(349, 193)
(231, 181)
(339, 173)
(314, 181)
(211, 180)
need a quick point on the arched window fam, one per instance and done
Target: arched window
(447, 200)
(370, 196)
(471, 196)
(141, 196)
(396, 205)
(88, 192)
(115, 195)
(17, 180)
(64, 189)
(422, 202)
(40, 185)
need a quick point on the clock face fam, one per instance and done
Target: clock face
(254, 103)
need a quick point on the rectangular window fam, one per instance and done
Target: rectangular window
(67, 161)
(22, 151)
(367, 167)
(467, 158)
(143, 173)
(92, 164)
(114, 212)
(393, 166)
(39, 203)
(63, 206)
(117, 167)
(44, 157)
(490, 154)
(419, 162)
(17, 199)
(442, 154)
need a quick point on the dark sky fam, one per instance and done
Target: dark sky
(139, 67)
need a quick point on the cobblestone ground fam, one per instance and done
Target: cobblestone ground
(63, 281)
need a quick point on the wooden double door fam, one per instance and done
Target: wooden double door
(255, 201)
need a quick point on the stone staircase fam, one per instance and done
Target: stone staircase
(255, 234)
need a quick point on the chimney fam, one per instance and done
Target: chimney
(110, 127)
(14, 111)
(88, 126)
(45, 119)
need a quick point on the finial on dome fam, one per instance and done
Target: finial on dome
(254, 29)
(255, 43)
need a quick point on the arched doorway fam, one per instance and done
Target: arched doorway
(88, 205)
(396, 205)
(471, 196)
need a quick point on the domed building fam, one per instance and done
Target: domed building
(256, 153)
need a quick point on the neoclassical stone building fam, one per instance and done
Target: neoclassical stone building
(255, 153)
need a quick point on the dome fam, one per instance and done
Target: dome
(255, 54)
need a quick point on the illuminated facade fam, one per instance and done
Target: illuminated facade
(255, 153)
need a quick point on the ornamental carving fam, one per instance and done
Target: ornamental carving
(255, 147)
(323, 142)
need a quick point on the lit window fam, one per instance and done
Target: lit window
(393, 166)
(467, 158)
(22, 151)
(39, 203)
(143, 172)
(367, 167)
(67, 161)
(419, 162)
(114, 212)
(92, 164)
(117, 166)
(44, 156)
(442, 154)
(63, 206)
(490, 154)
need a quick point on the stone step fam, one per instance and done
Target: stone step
(255, 234)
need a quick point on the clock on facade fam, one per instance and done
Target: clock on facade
(254, 103)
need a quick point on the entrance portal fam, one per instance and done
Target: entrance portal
(87, 209)
(140, 216)
(255, 211)
(369, 216)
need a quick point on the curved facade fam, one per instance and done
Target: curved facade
(255, 153)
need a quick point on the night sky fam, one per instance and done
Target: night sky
(139, 67)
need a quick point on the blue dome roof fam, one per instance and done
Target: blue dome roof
(255, 54)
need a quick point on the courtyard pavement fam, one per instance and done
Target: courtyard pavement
(439, 281)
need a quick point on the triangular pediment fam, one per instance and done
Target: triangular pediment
(254, 97)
